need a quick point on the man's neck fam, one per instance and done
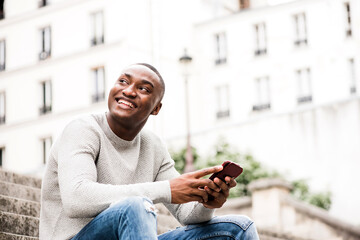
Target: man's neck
(123, 131)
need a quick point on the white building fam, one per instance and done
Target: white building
(281, 81)
(278, 79)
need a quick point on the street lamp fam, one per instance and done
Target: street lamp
(185, 61)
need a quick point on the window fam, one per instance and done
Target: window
(97, 28)
(262, 93)
(222, 93)
(46, 97)
(2, 108)
(45, 48)
(43, 3)
(2, 55)
(2, 14)
(98, 84)
(260, 36)
(46, 145)
(220, 42)
(304, 85)
(2, 155)
(300, 29)
(348, 31)
(352, 76)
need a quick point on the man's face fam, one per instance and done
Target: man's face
(135, 96)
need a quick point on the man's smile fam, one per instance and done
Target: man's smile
(127, 103)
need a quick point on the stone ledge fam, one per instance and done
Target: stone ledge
(10, 236)
(19, 224)
(266, 183)
(19, 206)
(20, 191)
(12, 177)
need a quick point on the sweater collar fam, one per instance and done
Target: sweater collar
(113, 137)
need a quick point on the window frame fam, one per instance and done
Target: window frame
(46, 45)
(46, 101)
(2, 109)
(220, 48)
(97, 36)
(98, 95)
(2, 55)
(301, 32)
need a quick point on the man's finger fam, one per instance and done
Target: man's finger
(206, 171)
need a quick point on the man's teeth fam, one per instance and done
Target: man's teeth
(126, 103)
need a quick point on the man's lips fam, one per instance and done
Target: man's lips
(126, 102)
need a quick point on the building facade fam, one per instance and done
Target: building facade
(281, 82)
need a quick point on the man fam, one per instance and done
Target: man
(104, 173)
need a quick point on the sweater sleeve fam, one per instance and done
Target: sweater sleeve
(188, 213)
(81, 194)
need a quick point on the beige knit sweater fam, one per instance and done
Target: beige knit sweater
(90, 167)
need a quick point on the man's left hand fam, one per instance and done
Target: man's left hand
(219, 197)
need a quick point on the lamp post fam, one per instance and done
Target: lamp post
(185, 61)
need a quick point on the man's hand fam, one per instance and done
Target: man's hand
(190, 187)
(219, 197)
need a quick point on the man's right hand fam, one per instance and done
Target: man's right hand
(190, 187)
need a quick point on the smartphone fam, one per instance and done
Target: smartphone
(230, 169)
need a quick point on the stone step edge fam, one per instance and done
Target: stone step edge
(15, 215)
(33, 189)
(21, 179)
(35, 205)
(12, 236)
(20, 199)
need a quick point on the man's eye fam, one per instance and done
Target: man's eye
(144, 89)
(122, 81)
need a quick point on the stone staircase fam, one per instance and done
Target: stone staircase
(19, 206)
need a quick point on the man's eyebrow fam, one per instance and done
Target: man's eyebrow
(143, 81)
(147, 82)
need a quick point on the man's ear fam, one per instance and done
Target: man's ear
(156, 109)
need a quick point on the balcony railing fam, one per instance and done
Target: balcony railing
(97, 41)
(304, 99)
(45, 110)
(223, 114)
(259, 52)
(300, 42)
(261, 107)
(219, 61)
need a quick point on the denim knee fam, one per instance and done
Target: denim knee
(135, 205)
(247, 226)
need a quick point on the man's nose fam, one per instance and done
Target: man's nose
(129, 91)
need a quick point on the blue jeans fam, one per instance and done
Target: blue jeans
(135, 218)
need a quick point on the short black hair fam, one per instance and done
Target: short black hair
(162, 83)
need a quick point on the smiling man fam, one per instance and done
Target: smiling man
(105, 172)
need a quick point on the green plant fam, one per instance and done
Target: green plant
(252, 170)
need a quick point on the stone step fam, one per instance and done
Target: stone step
(20, 191)
(19, 206)
(9, 236)
(19, 224)
(12, 177)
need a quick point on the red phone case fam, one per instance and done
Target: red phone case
(230, 169)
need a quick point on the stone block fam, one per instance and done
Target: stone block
(19, 206)
(20, 191)
(9, 236)
(6, 176)
(19, 224)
